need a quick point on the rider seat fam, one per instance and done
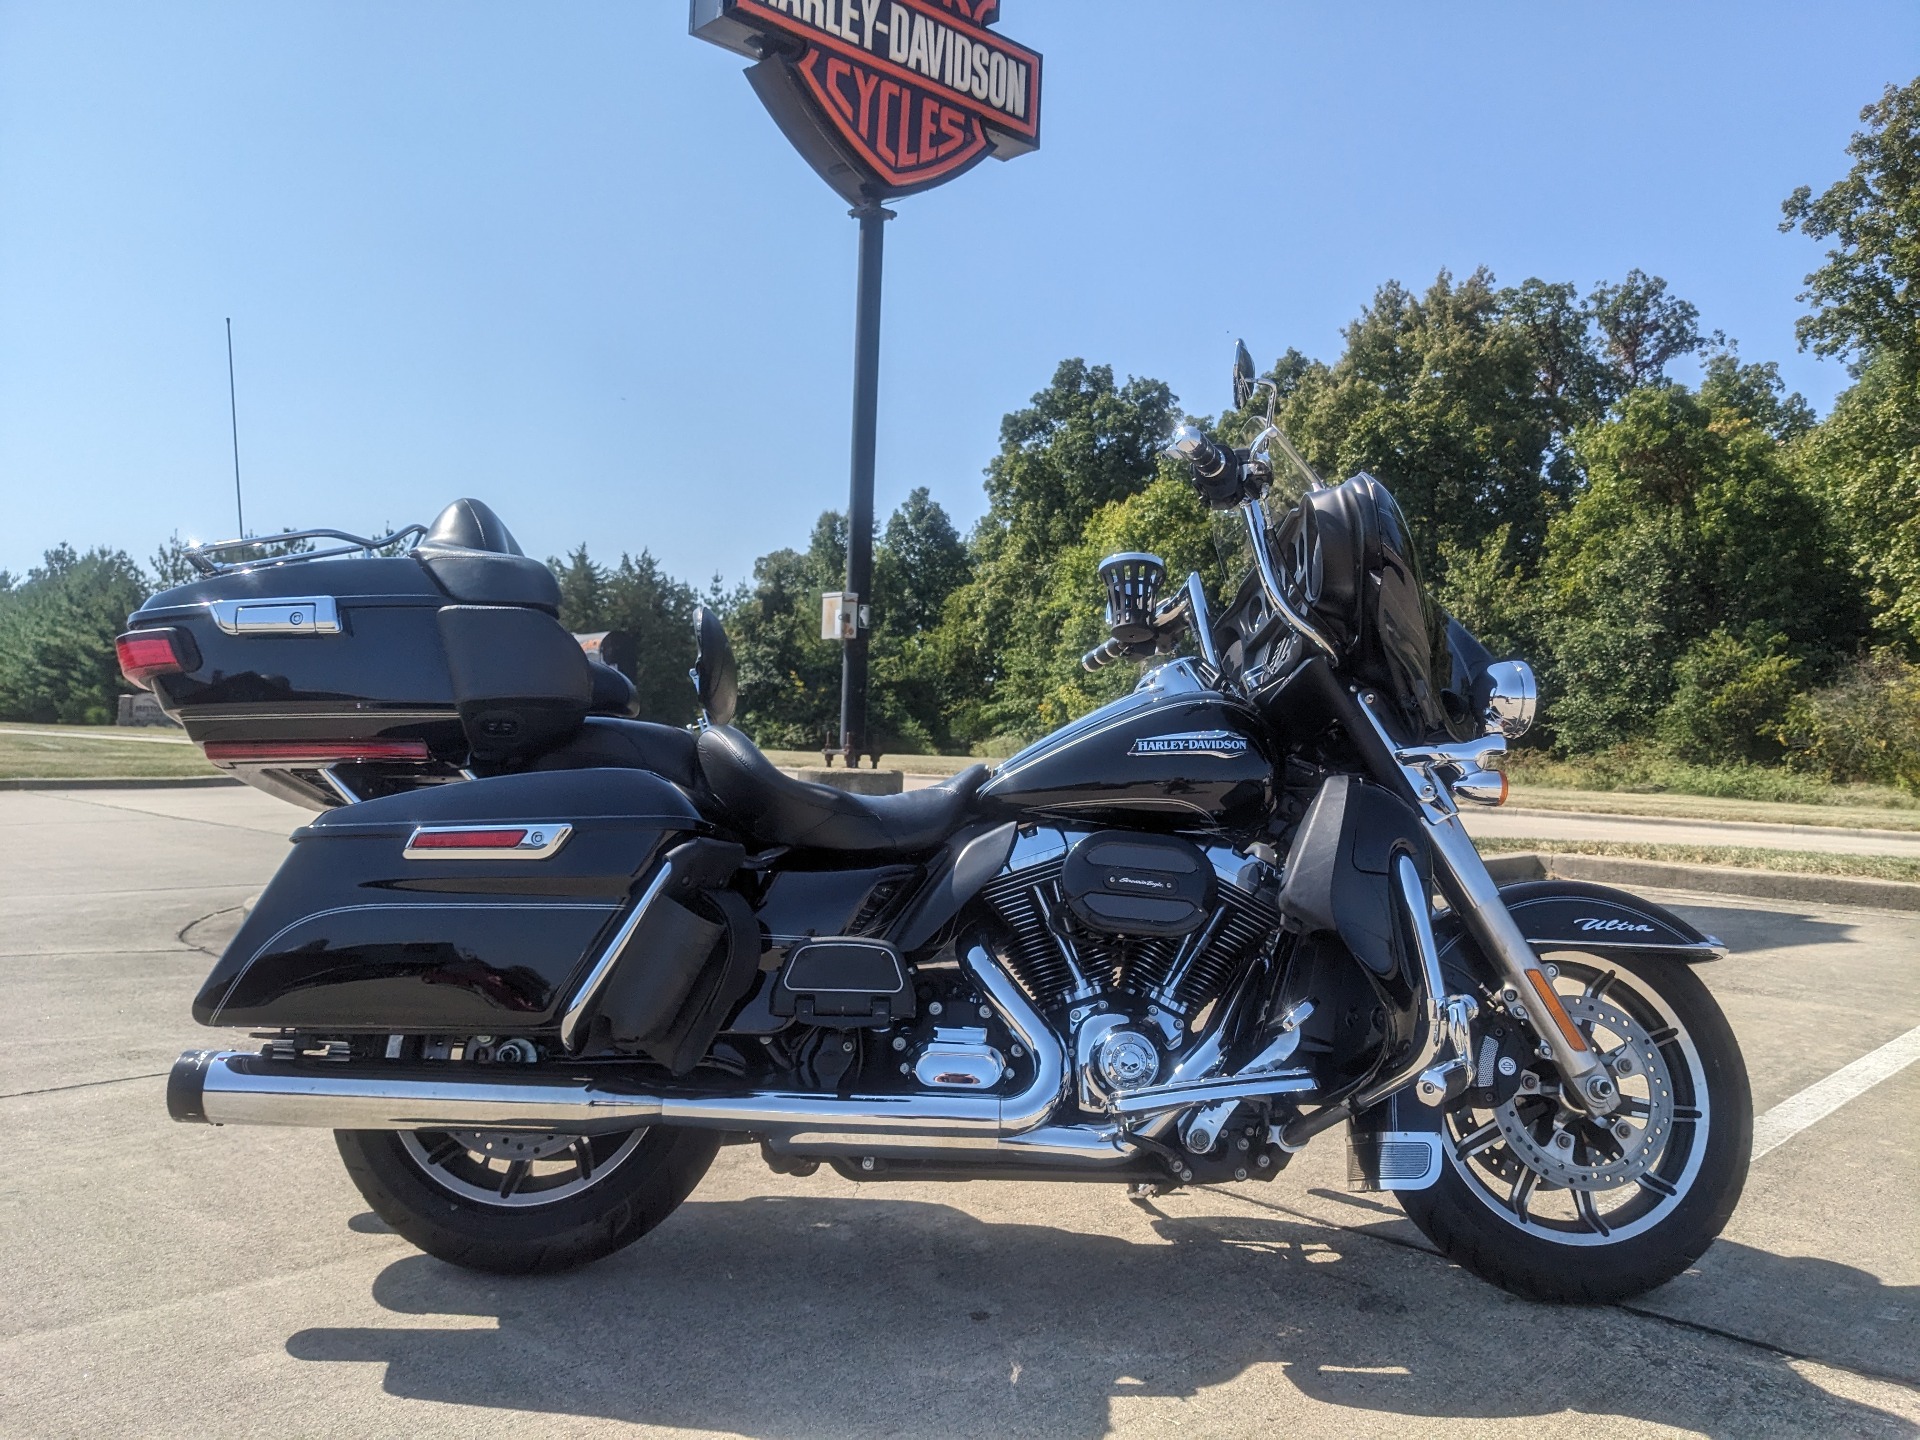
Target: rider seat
(776, 809)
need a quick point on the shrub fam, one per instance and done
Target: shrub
(1863, 727)
(1730, 699)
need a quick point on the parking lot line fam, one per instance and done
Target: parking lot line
(1823, 1097)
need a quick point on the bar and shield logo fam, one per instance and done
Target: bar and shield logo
(905, 94)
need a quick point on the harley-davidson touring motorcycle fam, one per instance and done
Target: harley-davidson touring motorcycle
(535, 961)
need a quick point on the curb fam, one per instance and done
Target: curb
(96, 782)
(1707, 879)
(1682, 821)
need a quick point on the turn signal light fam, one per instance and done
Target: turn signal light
(312, 752)
(1482, 787)
(144, 654)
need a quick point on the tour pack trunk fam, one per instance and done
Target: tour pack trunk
(484, 908)
(326, 680)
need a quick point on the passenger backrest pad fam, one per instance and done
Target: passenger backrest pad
(520, 681)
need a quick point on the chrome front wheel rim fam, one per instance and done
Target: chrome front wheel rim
(1554, 1172)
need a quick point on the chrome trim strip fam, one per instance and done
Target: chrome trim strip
(596, 980)
(277, 615)
(543, 840)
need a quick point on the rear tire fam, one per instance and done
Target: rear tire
(459, 1196)
(1599, 1217)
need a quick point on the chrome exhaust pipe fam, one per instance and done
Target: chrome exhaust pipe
(229, 1087)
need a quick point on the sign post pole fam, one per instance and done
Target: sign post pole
(881, 99)
(866, 413)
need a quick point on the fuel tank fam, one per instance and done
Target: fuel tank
(1173, 755)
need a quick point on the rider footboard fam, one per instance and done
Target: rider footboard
(473, 908)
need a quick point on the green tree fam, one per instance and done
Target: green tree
(655, 609)
(1864, 458)
(57, 661)
(1866, 299)
(1864, 304)
(789, 676)
(918, 564)
(1085, 442)
(1692, 522)
(1642, 329)
(1731, 698)
(1165, 519)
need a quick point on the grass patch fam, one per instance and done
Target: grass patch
(1740, 857)
(78, 752)
(1642, 770)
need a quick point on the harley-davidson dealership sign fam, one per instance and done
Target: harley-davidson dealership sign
(884, 97)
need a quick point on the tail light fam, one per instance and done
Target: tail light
(313, 752)
(144, 654)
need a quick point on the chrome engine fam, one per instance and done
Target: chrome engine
(1132, 1004)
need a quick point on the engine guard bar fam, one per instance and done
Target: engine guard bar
(1417, 907)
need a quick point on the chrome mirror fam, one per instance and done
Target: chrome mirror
(1243, 374)
(1510, 698)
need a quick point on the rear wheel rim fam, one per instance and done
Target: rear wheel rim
(1558, 1175)
(513, 1169)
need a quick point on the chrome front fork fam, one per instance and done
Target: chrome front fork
(1528, 993)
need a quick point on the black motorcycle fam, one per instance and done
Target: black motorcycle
(535, 961)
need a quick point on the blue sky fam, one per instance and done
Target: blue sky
(555, 256)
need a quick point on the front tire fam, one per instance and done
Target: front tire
(519, 1204)
(1552, 1205)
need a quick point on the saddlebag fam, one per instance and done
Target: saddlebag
(482, 908)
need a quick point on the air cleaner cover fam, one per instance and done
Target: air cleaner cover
(1126, 883)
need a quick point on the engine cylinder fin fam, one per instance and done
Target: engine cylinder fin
(1183, 974)
(1035, 957)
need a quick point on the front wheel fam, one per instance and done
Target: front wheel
(518, 1203)
(1553, 1204)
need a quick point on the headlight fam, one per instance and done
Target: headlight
(1510, 698)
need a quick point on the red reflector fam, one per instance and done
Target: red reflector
(312, 752)
(467, 839)
(147, 653)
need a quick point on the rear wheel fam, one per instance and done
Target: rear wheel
(519, 1203)
(1553, 1204)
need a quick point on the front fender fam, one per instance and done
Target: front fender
(1579, 915)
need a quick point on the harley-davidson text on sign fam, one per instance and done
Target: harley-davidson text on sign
(914, 91)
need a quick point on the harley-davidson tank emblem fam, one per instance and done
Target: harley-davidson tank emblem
(1224, 744)
(910, 92)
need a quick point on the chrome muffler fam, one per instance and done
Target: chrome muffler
(237, 1087)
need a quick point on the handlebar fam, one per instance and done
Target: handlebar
(1190, 444)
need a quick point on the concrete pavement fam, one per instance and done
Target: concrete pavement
(173, 1280)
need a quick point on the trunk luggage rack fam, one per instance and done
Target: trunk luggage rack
(199, 556)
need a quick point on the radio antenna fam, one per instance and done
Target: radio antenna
(233, 412)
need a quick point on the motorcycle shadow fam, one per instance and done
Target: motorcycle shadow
(804, 1316)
